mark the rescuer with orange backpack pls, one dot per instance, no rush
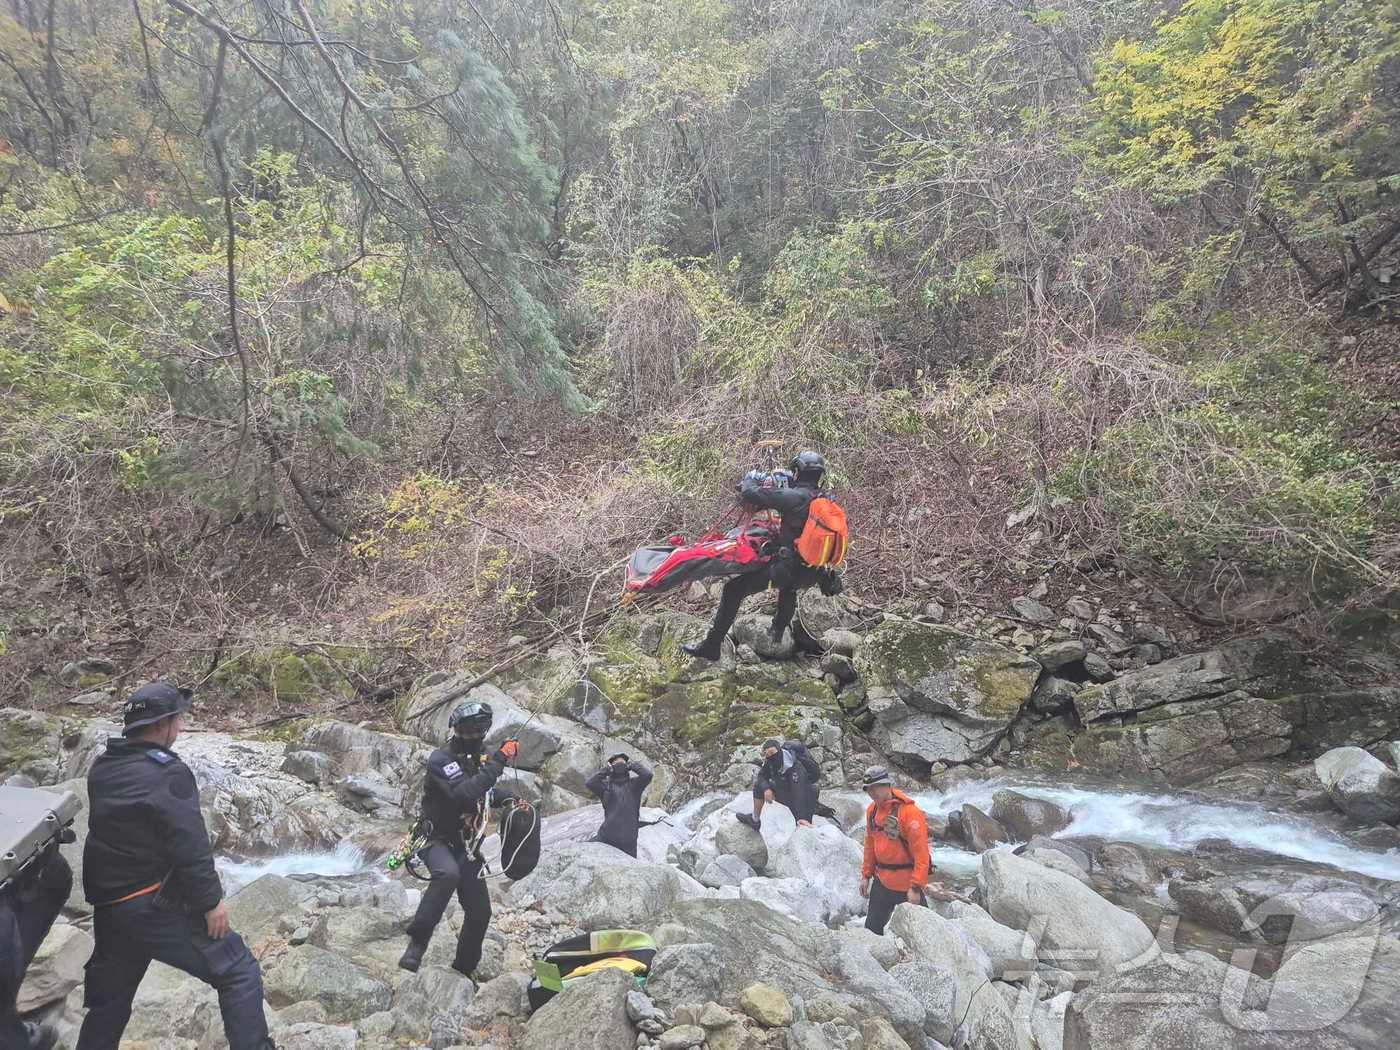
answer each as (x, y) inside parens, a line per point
(810, 547)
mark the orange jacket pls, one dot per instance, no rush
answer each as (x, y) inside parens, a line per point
(902, 862)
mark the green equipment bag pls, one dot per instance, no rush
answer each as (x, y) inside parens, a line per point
(577, 958)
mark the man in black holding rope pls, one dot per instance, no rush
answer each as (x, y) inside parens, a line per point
(459, 779)
(786, 571)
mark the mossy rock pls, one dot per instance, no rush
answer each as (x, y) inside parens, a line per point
(939, 671)
(292, 673)
(30, 743)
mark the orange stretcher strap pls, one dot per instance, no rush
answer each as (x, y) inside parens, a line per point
(130, 896)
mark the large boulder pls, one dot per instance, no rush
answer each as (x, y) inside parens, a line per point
(1008, 950)
(57, 968)
(861, 975)
(48, 749)
(726, 870)
(936, 989)
(266, 813)
(829, 863)
(1189, 718)
(1026, 817)
(1071, 918)
(256, 909)
(1337, 994)
(939, 695)
(686, 973)
(433, 1001)
(1360, 785)
(598, 886)
(980, 831)
(354, 749)
(941, 942)
(170, 1004)
(791, 897)
(306, 972)
(1277, 908)
(706, 843)
(742, 841)
(499, 1009)
(757, 944)
(373, 937)
(588, 1015)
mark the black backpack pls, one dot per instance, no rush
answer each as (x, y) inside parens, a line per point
(800, 752)
(520, 837)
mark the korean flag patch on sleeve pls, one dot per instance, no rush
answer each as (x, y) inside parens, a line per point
(452, 770)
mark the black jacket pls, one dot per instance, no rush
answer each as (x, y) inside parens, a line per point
(455, 791)
(622, 804)
(792, 774)
(144, 827)
(791, 503)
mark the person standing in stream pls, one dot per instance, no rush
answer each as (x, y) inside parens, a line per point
(459, 781)
(896, 864)
(619, 786)
(149, 873)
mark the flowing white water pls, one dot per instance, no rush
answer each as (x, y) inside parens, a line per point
(345, 859)
(1173, 822)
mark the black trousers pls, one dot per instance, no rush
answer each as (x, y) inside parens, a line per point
(128, 936)
(785, 573)
(883, 902)
(626, 845)
(453, 871)
(27, 911)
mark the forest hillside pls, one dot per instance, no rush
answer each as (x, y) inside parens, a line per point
(389, 330)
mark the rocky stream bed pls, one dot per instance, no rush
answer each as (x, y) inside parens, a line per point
(1156, 850)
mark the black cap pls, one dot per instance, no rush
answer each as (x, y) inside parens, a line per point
(152, 702)
(615, 757)
(771, 742)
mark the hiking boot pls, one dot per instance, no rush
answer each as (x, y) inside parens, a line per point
(412, 957)
(749, 819)
(706, 650)
(39, 1036)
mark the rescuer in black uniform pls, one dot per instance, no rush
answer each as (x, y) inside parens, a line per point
(454, 811)
(787, 774)
(786, 570)
(29, 904)
(149, 873)
(619, 786)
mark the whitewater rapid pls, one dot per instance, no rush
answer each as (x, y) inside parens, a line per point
(1173, 822)
(1164, 821)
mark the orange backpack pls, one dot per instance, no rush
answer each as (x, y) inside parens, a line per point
(824, 539)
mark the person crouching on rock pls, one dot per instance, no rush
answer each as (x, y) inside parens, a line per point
(788, 774)
(896, 864)
(619, 786)
(459, 779)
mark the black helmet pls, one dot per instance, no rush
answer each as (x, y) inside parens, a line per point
(471, 716)
(808, 465)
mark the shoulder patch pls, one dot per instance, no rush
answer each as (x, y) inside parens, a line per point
(452, 770)
(157, 755)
